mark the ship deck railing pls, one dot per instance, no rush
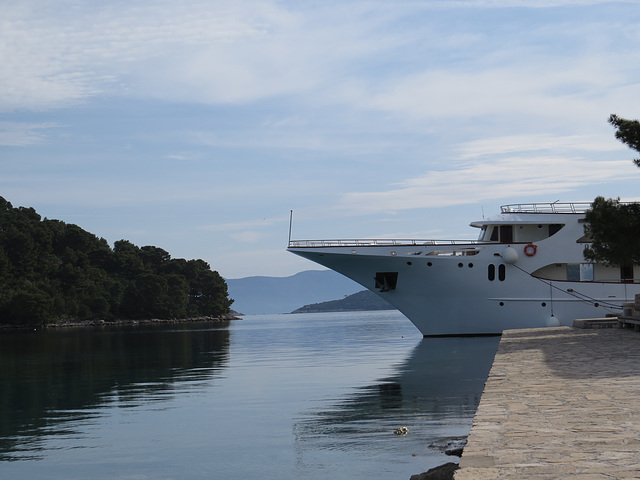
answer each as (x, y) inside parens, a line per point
(382, 242)
(555, 207)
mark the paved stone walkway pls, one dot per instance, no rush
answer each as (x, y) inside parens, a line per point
(559, 403)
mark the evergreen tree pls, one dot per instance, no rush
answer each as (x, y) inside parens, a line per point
(50, 270)
(628, 132)
(614, 227)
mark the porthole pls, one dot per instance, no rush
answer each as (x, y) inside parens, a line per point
(471, 265)
(544, 304)
(502, 304)
(393, 253)
(460, 265)
(408, 263)
(429, 264)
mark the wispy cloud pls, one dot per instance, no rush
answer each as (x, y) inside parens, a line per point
(478, 181)
(57, 54)
(19, 134)
(242, 51)
(536, 143)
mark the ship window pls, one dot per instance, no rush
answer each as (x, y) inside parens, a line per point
(580, 272)
(554, 228)
(506, 234)
(626, 273)
(573, 273)
(502, 270)
(502, 234)
(491, 272)
(586, 272)
(386, 281)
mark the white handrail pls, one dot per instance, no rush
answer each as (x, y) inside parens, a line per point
(381, 242)
(555, 207)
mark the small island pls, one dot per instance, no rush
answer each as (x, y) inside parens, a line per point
(359, 301)
(52, 273)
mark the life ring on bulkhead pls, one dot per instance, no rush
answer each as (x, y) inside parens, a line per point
(530, 250)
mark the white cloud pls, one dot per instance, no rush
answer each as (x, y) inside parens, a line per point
(238, 51)
(532, 143)
(477, 181)
(543, 88)
(57, 54)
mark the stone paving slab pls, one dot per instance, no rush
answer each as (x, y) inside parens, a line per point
(558, 403)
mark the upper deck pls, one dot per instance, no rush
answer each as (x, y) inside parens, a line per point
(517, 209)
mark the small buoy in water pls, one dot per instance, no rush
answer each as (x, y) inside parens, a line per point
(401, 431)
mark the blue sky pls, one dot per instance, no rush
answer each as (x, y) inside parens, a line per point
(196, 126)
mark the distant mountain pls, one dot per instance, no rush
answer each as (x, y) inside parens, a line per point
(261, 295)
(360, 301)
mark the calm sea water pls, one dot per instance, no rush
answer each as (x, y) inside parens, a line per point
(309, 396)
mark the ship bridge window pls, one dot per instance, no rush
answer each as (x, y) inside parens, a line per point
(498, 233)
(386, 281)
(506, 234)
(520, 233)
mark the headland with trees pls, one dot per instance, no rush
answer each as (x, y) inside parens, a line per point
(52, 272)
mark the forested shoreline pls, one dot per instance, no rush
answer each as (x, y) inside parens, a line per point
(54, 272)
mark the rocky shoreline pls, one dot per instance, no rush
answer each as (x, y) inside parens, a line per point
(121, 322)
(452, 446)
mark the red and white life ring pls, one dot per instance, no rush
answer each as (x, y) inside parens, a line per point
(530, 250)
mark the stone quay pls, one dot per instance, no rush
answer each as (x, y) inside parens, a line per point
(558, 403)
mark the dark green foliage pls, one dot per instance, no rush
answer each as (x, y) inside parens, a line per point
(628, 132)
(614, 228)
(50, 270)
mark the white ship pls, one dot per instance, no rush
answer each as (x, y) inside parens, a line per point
(527, 269)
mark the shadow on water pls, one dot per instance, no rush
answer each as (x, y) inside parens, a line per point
(53, 376)
(441, 382)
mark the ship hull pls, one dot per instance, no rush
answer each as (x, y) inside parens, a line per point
(479, 288)
(445, 299)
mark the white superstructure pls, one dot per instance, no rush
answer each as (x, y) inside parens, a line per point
(527, 269)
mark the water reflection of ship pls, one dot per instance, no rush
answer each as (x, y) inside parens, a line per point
(51, 377)
(441, 381)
